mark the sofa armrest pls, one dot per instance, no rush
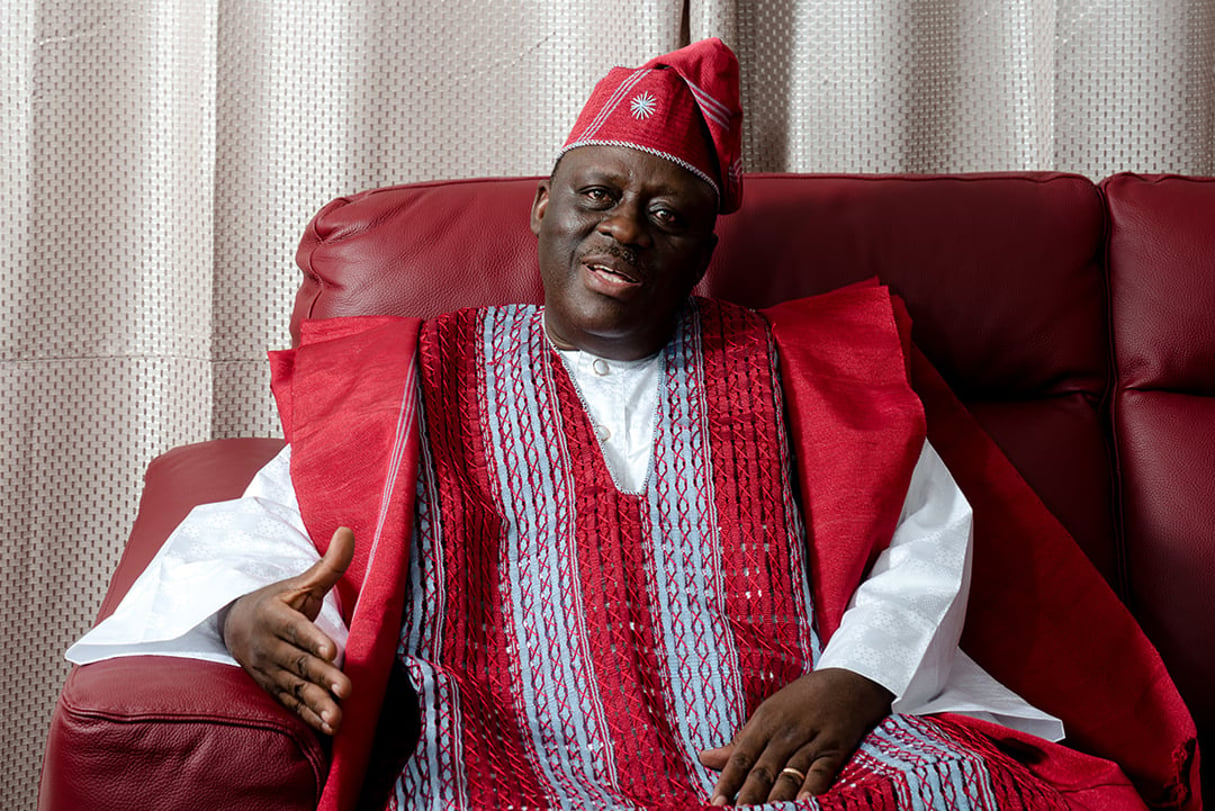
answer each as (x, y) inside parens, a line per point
(168, 733)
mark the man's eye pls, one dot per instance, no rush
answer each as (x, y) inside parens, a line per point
(666, 216)
(597, 195)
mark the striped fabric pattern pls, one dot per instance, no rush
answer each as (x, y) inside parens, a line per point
(574, 646)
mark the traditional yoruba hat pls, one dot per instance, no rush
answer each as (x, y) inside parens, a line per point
(683, 106)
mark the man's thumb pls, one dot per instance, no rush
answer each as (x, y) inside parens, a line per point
(326, 572)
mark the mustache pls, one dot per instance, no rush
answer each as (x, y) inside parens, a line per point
(617, 251)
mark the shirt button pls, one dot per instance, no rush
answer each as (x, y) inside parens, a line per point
(600, 367)
(603, 433)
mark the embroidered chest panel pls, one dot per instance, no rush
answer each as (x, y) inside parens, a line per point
(573, 640)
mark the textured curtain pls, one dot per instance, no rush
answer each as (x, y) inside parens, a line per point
(160, 160)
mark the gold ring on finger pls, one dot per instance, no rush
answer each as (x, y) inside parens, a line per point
(794, 773)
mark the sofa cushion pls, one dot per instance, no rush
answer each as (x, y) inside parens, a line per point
(1162, 296)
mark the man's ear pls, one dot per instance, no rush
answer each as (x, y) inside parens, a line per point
(539, 205)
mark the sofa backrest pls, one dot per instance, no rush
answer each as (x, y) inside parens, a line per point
(1161, 264)
(1001, 273)
(1008, 278)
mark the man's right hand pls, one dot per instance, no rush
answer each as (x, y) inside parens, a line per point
(271, 633)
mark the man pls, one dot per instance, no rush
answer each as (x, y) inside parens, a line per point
(608, 600)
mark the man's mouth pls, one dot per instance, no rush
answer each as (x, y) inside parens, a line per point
(609, 277)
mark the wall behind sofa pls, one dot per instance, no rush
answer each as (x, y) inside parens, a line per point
(161, 157)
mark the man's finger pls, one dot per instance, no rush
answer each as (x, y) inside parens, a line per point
(323, 716)
(303, 665)
(791, 779)
(717, 757)
(736, 771)
(821, 775)
(322, 673)
(315, 695)
(297, 629)
(767, 778)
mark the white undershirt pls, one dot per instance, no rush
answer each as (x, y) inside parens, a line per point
(621, 399)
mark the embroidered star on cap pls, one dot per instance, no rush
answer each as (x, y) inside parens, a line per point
(643, 105)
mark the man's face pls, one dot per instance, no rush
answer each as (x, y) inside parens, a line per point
(624, 236)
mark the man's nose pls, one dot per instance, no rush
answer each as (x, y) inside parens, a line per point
(626, 224)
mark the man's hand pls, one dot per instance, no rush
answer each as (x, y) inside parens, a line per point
(811, 725)
(271, 633)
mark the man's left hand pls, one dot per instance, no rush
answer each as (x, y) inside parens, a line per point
(810, 726)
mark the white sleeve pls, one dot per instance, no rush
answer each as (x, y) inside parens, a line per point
(219, 553)
(902, 626)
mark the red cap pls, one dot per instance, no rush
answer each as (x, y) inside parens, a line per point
(683, 106)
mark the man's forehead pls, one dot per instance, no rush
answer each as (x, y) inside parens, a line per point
(624, 163)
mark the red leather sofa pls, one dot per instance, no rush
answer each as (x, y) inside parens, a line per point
(1076, 321)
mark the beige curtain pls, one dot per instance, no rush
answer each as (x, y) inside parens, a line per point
(160, 159)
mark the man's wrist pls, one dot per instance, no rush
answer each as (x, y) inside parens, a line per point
(869, 700)
(221, 623)
(868, 664)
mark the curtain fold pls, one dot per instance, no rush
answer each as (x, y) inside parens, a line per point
(162, 157)
(974, 85)
(105, 349)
